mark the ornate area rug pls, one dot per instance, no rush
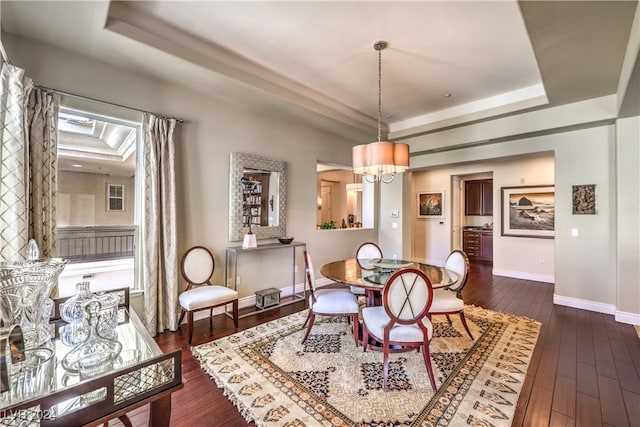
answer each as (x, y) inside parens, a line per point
(274, 380)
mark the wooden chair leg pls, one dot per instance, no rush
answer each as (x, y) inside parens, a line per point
(311, 319)
(307, 321)
(385, 367)
(235, 313)
(182, 312)
(464, 323)
(365, 336)
(190, 325)
(427, 361)
(356, 327)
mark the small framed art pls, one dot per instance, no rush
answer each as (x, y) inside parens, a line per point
(584, 199)
(431, 204)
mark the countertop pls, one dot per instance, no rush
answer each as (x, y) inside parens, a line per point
(477, 228)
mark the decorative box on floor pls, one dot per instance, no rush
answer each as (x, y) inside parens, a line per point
(267, 298)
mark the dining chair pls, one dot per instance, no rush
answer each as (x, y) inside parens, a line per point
(336, 302)
(197, 266)
(402, 319)
(449, 300)
(367, 250)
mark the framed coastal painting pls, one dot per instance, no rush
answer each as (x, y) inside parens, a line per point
(528, 211)
(431, 204)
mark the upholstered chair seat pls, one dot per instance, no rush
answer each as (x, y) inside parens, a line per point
(445, 301)
(206, 296)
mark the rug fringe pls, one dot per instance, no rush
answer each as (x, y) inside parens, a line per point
(486, 310)
(242, 408)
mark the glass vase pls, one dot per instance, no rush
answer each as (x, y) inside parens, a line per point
(96, 354)
(25, 287)
(72, 310)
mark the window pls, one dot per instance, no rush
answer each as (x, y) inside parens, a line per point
(115, 197)
(97, 219)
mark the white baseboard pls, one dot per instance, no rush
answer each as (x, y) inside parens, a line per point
(582, 304)
(630, 318)
(525, 276)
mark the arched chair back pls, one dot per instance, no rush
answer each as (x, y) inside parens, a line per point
(402, 319)
(407, 297)
(449, 301)
(368, 250)
(197, 266)
(458, 263)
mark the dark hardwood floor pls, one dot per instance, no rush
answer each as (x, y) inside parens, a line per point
(585, 370)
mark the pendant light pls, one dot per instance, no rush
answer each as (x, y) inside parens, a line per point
(375, 160)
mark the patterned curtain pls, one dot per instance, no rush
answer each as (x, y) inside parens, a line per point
(15, 88)
(42, 124)
(159, 251)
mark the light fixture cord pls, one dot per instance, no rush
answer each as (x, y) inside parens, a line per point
(379, 94)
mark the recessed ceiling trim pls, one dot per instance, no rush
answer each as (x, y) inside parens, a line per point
(127, 21)
(532, 96)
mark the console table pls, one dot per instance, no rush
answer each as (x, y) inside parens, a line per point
(231, 269)
(142, 375)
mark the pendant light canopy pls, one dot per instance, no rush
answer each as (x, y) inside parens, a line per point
(376, 159)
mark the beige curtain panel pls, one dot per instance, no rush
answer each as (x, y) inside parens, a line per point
(159, 252)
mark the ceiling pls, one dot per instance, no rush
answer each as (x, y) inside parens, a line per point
(88, 145)
(448, 62)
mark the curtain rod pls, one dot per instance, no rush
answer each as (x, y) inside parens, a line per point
(113, 104)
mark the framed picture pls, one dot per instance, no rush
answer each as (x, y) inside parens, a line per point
(584, 199)
(431, 204)
(528, 211)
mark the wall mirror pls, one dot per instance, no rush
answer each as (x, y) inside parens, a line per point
(343, 200)
(257, 197)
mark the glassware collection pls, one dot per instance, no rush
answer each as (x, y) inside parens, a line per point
(27, 354)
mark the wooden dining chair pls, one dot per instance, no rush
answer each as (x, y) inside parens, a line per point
(367, 250)
(449, 300)
(402, 319)
(337, 302)
(197, 266)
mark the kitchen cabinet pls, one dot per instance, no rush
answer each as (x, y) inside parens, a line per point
(478, 197)
(478, 244)
(486, 245)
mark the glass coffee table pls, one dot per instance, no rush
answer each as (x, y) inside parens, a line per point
(142, 374)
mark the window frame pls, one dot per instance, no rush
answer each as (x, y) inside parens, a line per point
(111, 197)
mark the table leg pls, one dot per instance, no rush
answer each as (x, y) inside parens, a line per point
(160, 412)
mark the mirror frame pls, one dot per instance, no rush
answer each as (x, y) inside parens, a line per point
(238, 163)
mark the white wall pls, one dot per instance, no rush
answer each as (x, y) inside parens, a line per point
(628, 222)
(390, 235)
(82, 199)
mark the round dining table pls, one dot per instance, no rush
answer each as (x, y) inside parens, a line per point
(372, 274)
